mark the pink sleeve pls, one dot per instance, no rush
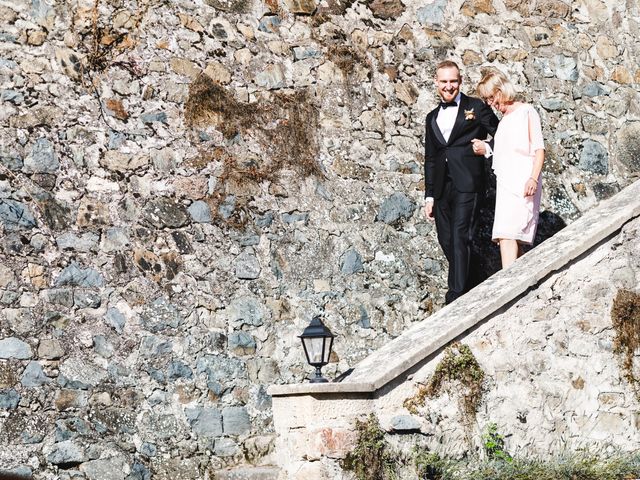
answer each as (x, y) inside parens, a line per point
(536, 142)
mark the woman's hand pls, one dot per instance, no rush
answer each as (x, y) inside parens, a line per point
(530, 187)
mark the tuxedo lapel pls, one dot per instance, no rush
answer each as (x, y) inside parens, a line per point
(436, 128)
(459, 118)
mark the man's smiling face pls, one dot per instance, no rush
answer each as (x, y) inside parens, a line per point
(448, 83)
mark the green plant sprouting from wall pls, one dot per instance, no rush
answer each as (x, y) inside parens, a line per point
(493, 444)
(371, 459)
(625, 316)
(429, 465)
(374, 459)
(458, 370)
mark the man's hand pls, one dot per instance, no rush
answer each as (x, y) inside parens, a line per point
(479, 147)
(428, 210)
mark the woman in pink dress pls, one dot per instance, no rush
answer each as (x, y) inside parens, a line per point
(518, 155)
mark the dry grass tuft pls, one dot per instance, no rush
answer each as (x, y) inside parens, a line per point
(345, 58)
(458, 370)
(106, 42)
(328, 9)
(625, 316)
(285, 127)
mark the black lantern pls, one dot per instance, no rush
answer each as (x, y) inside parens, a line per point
(317, 341)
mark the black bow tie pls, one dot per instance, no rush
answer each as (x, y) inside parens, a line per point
(444, 105)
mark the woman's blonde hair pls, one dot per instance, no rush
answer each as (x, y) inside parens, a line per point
(494, 81)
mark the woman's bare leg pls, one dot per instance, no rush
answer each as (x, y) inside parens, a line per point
(508, 251)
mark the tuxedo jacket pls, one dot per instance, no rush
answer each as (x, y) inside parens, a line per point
(475, 119)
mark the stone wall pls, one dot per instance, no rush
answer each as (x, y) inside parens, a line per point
(183, 185)
(553, 381)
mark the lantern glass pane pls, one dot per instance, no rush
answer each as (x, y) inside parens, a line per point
(327, 349)
(314, 349)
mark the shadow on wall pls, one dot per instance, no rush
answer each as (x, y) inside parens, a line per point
(485, 255)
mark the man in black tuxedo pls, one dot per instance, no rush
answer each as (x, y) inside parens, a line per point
(454, 171)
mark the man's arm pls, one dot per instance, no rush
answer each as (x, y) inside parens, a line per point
(428, 172)
(429, 155)
(488, 119)
(490, 122)
(482, 147)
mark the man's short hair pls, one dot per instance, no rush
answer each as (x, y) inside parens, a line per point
(448, 64)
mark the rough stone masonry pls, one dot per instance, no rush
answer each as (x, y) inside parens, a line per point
(184, 184)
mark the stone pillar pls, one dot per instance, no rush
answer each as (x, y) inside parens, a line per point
(315, 429)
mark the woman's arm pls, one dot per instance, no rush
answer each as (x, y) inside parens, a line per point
(535, 142)
(532, 182)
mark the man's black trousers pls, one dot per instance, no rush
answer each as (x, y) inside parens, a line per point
(456, 214)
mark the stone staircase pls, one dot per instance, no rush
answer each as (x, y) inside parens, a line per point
(314, 421)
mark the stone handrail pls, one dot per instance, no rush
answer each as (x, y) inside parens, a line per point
(431, 334)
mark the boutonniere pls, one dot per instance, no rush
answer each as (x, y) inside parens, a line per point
(469, 114)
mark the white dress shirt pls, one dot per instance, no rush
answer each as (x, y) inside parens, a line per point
(446, 118)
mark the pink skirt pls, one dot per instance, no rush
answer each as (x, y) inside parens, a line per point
(516, 217)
